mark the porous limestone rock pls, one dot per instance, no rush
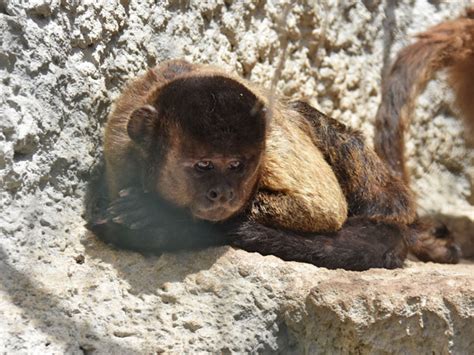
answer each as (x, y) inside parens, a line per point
(61, 65)
(223, 300)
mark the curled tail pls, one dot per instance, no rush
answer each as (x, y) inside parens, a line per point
(448, 45)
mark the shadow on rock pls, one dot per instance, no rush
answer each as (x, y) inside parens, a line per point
(147, 274)
(48, 316)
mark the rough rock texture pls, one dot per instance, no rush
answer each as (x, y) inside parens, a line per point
(225, 300)
(61, 65)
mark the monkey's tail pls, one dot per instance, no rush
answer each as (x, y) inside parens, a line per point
(361, 244)
(448, 45)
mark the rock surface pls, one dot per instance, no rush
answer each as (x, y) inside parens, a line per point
(61, 291)
(225, 300)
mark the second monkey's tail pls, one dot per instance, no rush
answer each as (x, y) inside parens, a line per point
(448, 45)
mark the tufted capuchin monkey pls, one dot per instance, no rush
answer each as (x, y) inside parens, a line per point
(195, 157)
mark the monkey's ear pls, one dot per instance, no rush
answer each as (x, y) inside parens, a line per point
(141, 123)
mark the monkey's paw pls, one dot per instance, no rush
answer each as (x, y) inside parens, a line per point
(433, 242)
(134, 209)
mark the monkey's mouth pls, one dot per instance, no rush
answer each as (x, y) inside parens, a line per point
(215, 214)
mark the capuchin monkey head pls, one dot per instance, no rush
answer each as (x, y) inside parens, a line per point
(202, 140)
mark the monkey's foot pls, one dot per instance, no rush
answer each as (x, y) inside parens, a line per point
(432, 241)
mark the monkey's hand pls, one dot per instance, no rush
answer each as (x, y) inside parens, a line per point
(143, 222)
(136, 210)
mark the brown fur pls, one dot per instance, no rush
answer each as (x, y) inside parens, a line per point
(298, 188)
(448, 45)
(433, 242)
(371, 190)
(305, 174)
(292, 167)
(159, 147)
(119, 149)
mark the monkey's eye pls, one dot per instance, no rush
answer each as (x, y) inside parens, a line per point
(204, 165)
(235, 165)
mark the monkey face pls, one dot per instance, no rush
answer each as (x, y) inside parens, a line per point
(220, 186)
(212, 185)
(202, 140)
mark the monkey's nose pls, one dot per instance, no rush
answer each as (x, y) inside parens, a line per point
(219, 194)
(213, 195)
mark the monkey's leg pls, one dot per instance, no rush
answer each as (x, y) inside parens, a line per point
(371, 190)
(298, 189)
(360, 244)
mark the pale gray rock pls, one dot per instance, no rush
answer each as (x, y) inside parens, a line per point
(61, 65)
(225, 300)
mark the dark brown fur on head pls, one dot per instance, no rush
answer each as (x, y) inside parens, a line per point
(214, 110)
(213, 131)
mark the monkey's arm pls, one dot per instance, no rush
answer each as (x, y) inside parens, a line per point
(171, 236)
(295, 212)
(360, 244)
(298, 189)
(142, 222)
(163, 227)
